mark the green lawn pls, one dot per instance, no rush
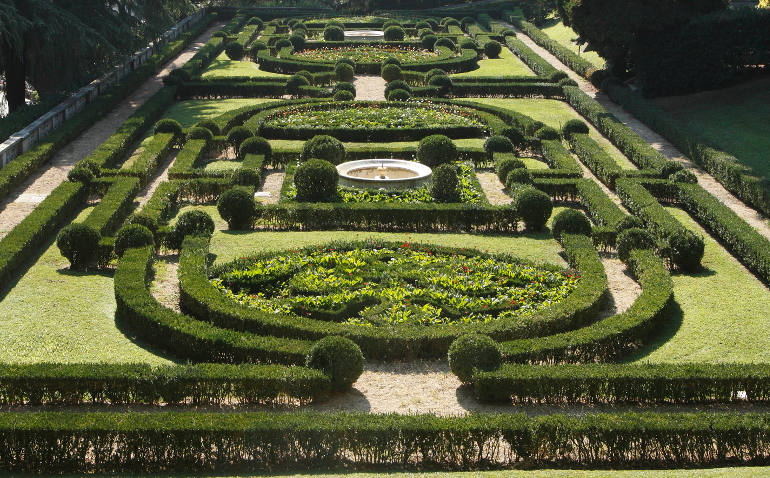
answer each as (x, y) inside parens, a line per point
(222, 66)
(723, 314)
(564, 35)
(222, 166)
(54, 315)
(190, 112)
(507, 65)
(554, 113)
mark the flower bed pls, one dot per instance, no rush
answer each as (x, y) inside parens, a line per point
(366, 54)
(385, 284)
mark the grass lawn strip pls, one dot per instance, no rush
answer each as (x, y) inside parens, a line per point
(224, 67)
(563, 34)
(507, 65)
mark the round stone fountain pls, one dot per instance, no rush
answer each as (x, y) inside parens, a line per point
(362, 35)
(383, 174)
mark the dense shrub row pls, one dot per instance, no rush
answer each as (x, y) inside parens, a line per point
(572, 60)
(559, 159)
(114, 206)
(151, 156)
(596, 159)
(246, 89)
(534, 61)
(188, 158)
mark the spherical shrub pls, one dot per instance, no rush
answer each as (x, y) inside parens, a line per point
(445, 42)
(570, 221)
(506, 165)
(394, 33)
(424, 32)
(451, 22)
(334, 33)
(468, 44)
(132, 235)
(169, 126)
(176, 77)
(574, 126)
(79, 243)
(684, 176)
(533, 206)
(235, 51)
(324, 147)
(435, 150)
(339, 358)
(397, 85)
(200, 133)
(391, 60)
(344, 96)
(669, 168)
(238, 135)
(391, 23)
(81, 174)
(516, 136)
(255, 48)
(294, 83)
(282, 43)
(256, 21)
(631, 239)
(434, 72)
(629, 222)
(256, 145)
(686, 249)
(335, 23)
(446, 184)
(422, 24)
(498, 144)
(345, 86)
(547, 133)
(465, 21)
(432, 22)
(443, 82)
(472, 352)
(428, 41)
(390, 72)
(298, 25)
(244, 177)
(145, 220)
(193, 222)
(517, 178)
(492, 49)
(346, 61)
(399, 95)
(316, 180)
(344, 72)
(237, 207)
(211, 126)
(297, 41)
(508, 33)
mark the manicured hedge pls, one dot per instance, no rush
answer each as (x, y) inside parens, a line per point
(558, 158)
(114, 206)
(74, 384)
(153, 154)
(641, 203)
(60, 442)
(573, 61)
(188, 159)
(596, 158)
(534, 61)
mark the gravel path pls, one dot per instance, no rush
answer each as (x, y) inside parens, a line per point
(369, 88)
(707, 181)
(26, 197)
(165, 285)
(493, 188)
(624, 290)
(160, 176)
(270, 192)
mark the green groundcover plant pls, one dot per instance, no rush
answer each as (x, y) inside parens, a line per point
(367, 54)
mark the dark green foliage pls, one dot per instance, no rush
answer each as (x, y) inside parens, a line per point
(446, 43)
(220, 34)
(346, 61)
(546, 132)
(256, 21)
(344, 95)
(344, 72)
(80, 174)
(339, 358)
(391, 73)
(168, 126)
(344, 86)
(394, 33)
(516, 136)
(79, 244)
(235, 51)
(422, 24)
(245, 177)
(596, 158)
(282, 43)
(684, 176)
(570, 221)
(517, 178)
(132, 235)
(473, 352)
(323, 147)
(146, 220)
(629, 222)
(391, 60)
(686, 250)
(669, 168)
(255, 145)
(335, 23)
(498, 144)
(391, 23)
(434, 72)
(334, 33)
(237, 207)
(399, 95)
(468, 44)
(435, 150)
(200, 133)
(238, 135)
(574, 126)
(445, 187)
(533, 206)
(449, 22)
(397, 85)
(465, 21)
(428, 41)
(631, 239)
(211, 126)
(492, 49)
(316, 180)
(566, 55)
(255, 48)
(193, 222)
(294, 83)
(297, 41)
(443, 82)
(506, 165)
(177, 76)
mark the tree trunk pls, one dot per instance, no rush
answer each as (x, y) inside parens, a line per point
(15, 80)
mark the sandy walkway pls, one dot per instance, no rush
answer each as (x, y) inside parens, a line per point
(165, 285)
(270, 192)
(492, 187)
(369, 88)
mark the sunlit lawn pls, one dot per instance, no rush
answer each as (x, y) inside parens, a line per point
(507, 65)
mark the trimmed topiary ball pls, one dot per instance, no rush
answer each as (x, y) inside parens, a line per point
(574, 126)
(435, 150)
(394, 33)
(465, 21)
(446, 184)
(211, 126)
(422, 24)
(169, 126)
(547, 133)
(237, 207)
(391, 23)
(423, 32)
(506, 165)
(343, 95)
(450, 22)
(334, 33)
(245, 177)
(533, 206)
(193, 222)
(686, 249)
(79, 244)
(256, 21)
(391, 73)
(282, 43)
(145, 220)
(176, 77)
(445, 42)
(339, 358)
(631, 239)
(132, 235)
(323, 147)
(472, 352)
(256, 145)
(570, 221)
(498, 144)
(297, 41)
(428, 41)
(344, 72)
(517, 178)
(684, 176)
(238, 135)
(397, 85)
(468, 44)
(235, 51)
(81, 174)
(434, 72)
(294, 83)
(345, 86)
(255, 48)
(200, 133)
(492, 49)
(316, 180)
(443, 82)
(516, 136)
(399, 95)
(391, 60)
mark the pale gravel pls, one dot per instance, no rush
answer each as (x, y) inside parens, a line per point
(493, 188)
(272, 183)
(369, 88)
(165, 284)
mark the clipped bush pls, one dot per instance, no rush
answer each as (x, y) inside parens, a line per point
(323, 147)
(294, 83)
(169, 126)
(397, 85)
(79, 244)
(684, 176)
(446, 43)
(256, 21)
(533, 206)
(517, 178)
(422, 24)
(498, 144)
(391, 60)
(220, 34)
(508, 33)
(428, 41)
(211, 126)
(256, 145)
(450, 22)
(335, 23)
(132, 235)
(446, 184)
(235, 51)
(297, 41)
(394, 33)
(339, 358)
(516, 136)
(423, 32)
(443, 82)
(346, 61)
(670, 168)
(391, 23)
(506, 165)
(238, 135)
(200, 133)
(282, 43)
(547, 133)
(468, 44)
(391, 72)
(344, 72)
(631, 239)
(557, 76)
(237, 207)
(255, 48)
(399, 95)
(316, 180)
(574, 126)
(435, 150)
(570, 221)
(343, 95)
(193, 222)
(345, 86)
(245, 177)
(176, 77)
(434, 72)
(334, 33)
(465, 21)
(146, 220)
(472, 352)
(629, 222)
(492, 49)
(686, 250)
(81, 174)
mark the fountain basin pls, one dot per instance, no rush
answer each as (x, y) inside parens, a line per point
(362, 35)
(383, 174)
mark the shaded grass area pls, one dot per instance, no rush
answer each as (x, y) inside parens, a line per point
(190, 112)
(222, 166)
(733, 119)
(554, 113)
(507, 65)
(224, 67)
(563, 34)
(722, 314)
(54, 315)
